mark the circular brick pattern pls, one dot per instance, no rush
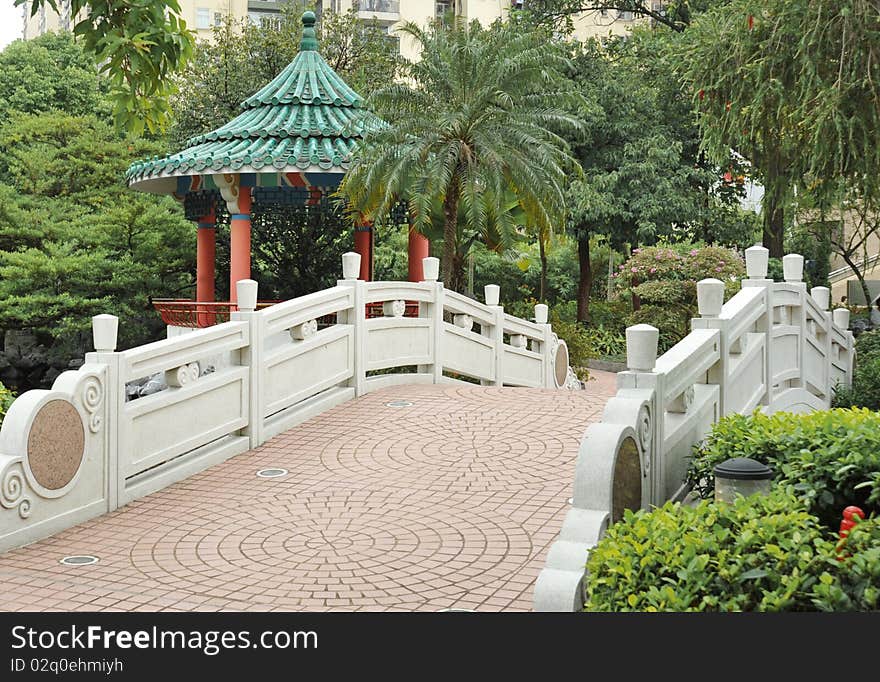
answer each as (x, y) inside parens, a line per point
(56, 444)
(501, 451)
(324, 545)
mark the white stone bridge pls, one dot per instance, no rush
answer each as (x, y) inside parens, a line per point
(404, 462)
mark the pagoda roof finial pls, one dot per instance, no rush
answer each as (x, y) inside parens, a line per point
(309, 38)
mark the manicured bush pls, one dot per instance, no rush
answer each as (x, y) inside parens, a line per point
(831, 458)
(664, 278)
(757, 554)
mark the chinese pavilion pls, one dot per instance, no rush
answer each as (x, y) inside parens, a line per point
(291, 146)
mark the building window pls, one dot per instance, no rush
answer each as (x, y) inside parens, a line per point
(265, 19)
(442, 8)
(624, 16)
(218, 18)
(203, 17)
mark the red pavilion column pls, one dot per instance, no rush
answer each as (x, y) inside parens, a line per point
(363, 244)
(206, 249)
(419, 247)
(240, 242)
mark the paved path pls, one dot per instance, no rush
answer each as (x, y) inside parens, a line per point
(451, 502)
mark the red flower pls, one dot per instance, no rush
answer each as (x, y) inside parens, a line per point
(751, 22)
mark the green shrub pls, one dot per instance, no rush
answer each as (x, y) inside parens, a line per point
(6, 398)
(607, 342)
(671, 321)
(868, 346)
(857, 584)
(757, 554)
(566, 311)
(831, 458)
(580, 350)
(775, 270)
(865, 389)
(610, 315)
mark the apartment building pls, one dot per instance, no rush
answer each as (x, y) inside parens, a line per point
(202, 15)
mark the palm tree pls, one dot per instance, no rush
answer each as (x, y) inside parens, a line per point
(477, 119)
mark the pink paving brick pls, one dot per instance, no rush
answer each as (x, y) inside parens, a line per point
(449, 503)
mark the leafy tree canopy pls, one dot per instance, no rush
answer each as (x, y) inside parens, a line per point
(74, 241)
(139, 44)
(793, 86)
(50, 72)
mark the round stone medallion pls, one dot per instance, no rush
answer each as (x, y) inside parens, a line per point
(561, 363)
(56, 444)
(627, 485)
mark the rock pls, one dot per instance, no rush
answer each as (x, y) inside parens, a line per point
(17, 342)
(154, 385)
(51, 374)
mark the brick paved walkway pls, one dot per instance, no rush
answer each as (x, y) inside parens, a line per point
(449, 503)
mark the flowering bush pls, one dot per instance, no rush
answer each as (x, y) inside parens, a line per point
(664, 278)
(680, 263)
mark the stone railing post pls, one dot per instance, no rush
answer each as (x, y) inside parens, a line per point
(793, 272)
(356, 317)
(434, 311)
(542, 316)
(757, 258)
(641, 357)
(822, 297)
(105, 329)
(246, 291)
(710, 301)
(840, 317)
(496, 332)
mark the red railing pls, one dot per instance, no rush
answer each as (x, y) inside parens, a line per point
(186, 313)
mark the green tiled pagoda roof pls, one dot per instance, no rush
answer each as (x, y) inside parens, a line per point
(307, 117)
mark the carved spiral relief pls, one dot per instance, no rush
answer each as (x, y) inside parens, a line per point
(92, 399)
(12, 490)
(394, 308)
(644, 429)
(463, 321)
(688, 398)
(183, 375)
(304, 331)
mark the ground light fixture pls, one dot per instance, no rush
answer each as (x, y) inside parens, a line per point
(79, 560)
(273, 472)
(741, 476)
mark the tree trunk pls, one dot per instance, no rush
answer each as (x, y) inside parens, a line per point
(774, 228)
(450, 225)
(542, 292)
(847, 258)
(585, 281)
(773, 207)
